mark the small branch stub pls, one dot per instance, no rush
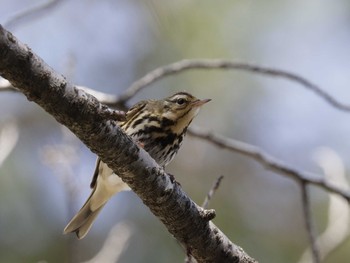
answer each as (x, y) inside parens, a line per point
(208, 214)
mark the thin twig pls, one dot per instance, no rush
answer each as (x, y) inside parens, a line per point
(268, 161)
(117, 115)
(309, 223)
(113, 114)
(31, 13)
(188, 64)
(212, 191)
(105, 98)
(337, 230)
(189, 258)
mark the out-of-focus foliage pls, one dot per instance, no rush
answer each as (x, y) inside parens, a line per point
(106, 45)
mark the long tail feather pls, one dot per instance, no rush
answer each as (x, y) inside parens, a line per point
(83, 220)
(105, 184)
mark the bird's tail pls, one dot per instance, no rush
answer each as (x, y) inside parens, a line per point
(105, 184)
(83, 220)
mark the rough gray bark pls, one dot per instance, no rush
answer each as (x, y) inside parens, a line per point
(85, 117)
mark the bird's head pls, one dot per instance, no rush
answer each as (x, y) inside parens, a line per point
(175, 113)
(180, 109)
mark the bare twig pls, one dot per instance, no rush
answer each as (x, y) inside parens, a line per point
(337, 229)
(189, 258)
(309, 223)
(105, 98)
(212, 191)
(31, 13)
(268, 161)
(113, 114)
(188, 64)
(117, 115)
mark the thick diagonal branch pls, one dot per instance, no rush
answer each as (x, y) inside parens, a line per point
(85, 117)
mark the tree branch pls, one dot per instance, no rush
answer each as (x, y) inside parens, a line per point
(209, 196)
(309, 223)
(83, 115)
(212, 191)
(267, 160)
(337, 230)
(188, 64)
(30, 13)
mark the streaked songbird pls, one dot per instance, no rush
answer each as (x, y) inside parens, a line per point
(159, 127)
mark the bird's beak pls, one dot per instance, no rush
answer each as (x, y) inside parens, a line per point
(199, 103)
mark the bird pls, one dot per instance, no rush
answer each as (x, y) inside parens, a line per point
(159, 127)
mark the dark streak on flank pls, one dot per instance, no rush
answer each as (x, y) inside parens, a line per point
(148, 130)
(137, 122)
(164, 141)
(139, 107)
(152, 118)
(144, 119)
(165, 122)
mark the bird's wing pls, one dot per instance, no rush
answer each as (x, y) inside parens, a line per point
(97, 169)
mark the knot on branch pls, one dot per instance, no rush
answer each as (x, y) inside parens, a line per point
(158, 173)
(111, 114)
(172, 179)
(207, 214)
(155, 172)
(235, 259)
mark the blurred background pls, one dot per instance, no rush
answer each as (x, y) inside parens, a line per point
(105, 45)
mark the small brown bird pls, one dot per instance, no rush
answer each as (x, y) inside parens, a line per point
(159, 127)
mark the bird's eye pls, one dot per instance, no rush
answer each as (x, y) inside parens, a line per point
(181, 101)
